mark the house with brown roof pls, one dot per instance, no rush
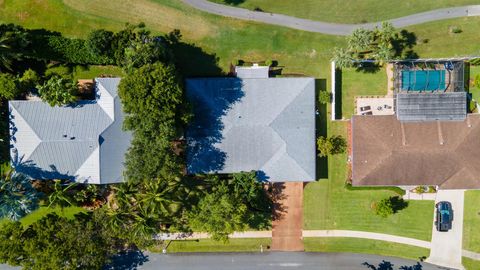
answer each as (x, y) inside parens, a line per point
(430, 139)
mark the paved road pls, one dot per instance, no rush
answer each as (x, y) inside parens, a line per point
(329, 28)
(447, 246)
(275, 260)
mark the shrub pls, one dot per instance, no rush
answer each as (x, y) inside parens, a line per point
(331, 145)
(384, 208)
(29, 79)
(455, 30)
(389, 206)
(399, 191)
(476, 81)
(8, 86)
(324, 97)
(75, 51)
(99, 42)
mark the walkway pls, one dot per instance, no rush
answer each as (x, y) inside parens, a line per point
(287, 223)
(329, 28)
(447, 246)
(368, 235)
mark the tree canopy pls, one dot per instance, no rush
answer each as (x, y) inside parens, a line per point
(219, 214)
(153, 100)
(58, 91)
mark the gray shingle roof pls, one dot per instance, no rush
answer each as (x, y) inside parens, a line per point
(431, 106)
(80, 142)
(266, 125)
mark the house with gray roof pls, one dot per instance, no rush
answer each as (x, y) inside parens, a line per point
(82, 142)
(261, 124)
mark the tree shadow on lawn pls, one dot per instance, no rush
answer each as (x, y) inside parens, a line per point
(398, 203)
(233, 2)
(191, 60)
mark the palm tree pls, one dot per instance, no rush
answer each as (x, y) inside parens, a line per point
(383, 53)
(125, 195)
(145, 224)
(159, 196)
(343, 58)
(17, 196)
(6, 53)
(386, 33)
(60, 195)
(360, 40)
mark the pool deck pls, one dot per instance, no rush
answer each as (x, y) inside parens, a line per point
(374, 106)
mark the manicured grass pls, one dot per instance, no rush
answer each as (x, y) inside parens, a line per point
(359, 83)
(208, 245)
(475, 91)
(471, 221)
(328, 205)
(346, 11)
(357, 245)
(470, 264)
(67, 212)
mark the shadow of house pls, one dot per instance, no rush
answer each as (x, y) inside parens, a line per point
(321, 126)
(210, 102)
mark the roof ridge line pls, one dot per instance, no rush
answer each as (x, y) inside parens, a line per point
(288, 104)
(23, 117)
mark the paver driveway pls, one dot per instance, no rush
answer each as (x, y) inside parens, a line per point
(447, 246)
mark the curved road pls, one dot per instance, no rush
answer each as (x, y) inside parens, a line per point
(329, 28)
(278, 260)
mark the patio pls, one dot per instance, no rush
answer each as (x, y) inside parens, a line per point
(374, 106)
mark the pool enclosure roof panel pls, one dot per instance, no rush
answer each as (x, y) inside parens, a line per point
(431, 106)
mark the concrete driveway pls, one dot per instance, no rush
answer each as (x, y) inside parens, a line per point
(447, 246)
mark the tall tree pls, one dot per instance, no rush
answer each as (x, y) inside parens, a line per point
(58, 91)
(154, 103)
(219, 214)
(343, 58)
(360, 40)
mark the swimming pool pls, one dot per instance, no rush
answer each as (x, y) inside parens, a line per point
(423, 80)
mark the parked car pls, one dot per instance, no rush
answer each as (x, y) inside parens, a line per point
(444, 216)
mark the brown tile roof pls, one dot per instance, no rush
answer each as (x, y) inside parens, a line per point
(389, 152)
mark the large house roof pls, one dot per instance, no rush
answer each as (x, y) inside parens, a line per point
(83, 142)
(267, 125)
(390, 152)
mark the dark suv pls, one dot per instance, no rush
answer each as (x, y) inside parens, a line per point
(444, 216)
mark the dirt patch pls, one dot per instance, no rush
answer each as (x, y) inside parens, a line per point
(287, 224)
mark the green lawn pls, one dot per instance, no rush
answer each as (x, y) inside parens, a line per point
(471, 221)
(346, 11)
(358, 83)
(328, 205)
(356, 245)
(470, 264)
(67, 212)
(220, 41)
(208, 245)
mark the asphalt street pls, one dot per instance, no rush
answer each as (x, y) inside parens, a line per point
(281, 260)
(326, 27)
